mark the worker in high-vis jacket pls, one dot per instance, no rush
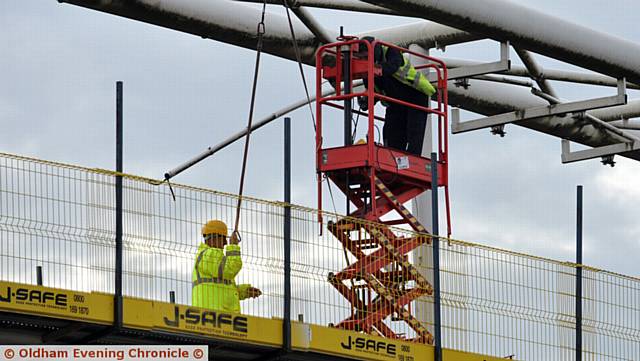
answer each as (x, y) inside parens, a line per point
(404, 126)
(216, 266)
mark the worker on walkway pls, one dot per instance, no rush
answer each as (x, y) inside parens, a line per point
(404, 126)
(215, 269)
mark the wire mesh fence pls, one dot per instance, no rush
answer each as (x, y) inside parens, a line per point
(345, 273)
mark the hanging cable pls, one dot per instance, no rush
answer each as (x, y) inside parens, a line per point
(296, 50)
(260, 32)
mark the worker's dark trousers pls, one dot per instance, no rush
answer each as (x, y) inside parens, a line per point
(404, 126)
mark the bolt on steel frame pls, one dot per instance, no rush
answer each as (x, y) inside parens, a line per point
(381, 283)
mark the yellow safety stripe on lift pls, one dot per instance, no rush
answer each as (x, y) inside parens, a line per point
(402, 312)
(385, 243)
(384, 292)
(420, 279)
(405, 212)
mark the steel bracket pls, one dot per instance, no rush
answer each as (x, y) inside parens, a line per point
(542, 111)
(464, 72)
(606, 152)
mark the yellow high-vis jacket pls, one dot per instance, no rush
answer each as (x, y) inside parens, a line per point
(213, 277)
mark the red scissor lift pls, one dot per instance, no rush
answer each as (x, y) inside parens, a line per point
(381, 284)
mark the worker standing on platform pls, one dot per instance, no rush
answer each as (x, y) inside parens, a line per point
(216, 266)
(404, 127)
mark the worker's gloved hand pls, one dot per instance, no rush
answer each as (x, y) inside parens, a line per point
(253, 292)
(363, 103)
(235, 238)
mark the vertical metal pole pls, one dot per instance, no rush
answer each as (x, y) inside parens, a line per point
(436, 256)
(172, 296)
(421, 206)
(346, 80)
(118, 270)
(287, 236)
(39, 275)
(579, 275)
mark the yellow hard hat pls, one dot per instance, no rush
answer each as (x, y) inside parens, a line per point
(214, 227)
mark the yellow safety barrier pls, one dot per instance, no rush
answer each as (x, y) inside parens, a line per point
(494, 302)
(150, 315)
(46, 301)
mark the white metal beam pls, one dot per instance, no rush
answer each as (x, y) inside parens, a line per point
(606, 151)
(469, 71)
(489, 98)
(555, 109)
(549, 74)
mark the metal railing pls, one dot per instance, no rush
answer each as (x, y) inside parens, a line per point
(494, 302)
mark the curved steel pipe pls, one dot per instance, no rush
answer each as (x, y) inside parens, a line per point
(223, 20)
(542, 33)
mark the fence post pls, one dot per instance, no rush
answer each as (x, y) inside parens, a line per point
(436, 256)
(579, 275)
(39, 275)
(286, 335)
(118, 267)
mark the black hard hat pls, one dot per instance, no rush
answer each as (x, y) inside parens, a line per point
(362, 48)
(369, 39)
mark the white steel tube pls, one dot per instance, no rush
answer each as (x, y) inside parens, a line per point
(230, 140)
(423, 33)
(310, 22)
(348, 5)
(549, 74)
(222, 20)
(626, 124)
(536, 72)
(629, 111)
(542, 33)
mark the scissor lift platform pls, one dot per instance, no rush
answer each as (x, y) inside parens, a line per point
(381, 283)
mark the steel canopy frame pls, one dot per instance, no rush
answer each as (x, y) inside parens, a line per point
(234, 23)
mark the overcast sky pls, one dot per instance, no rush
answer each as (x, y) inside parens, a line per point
(59, 66)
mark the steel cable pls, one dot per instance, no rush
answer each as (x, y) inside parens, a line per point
(296, 50)
(260, 33)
